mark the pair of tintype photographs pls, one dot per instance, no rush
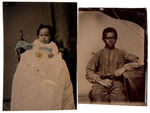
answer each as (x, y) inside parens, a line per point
(103, 51)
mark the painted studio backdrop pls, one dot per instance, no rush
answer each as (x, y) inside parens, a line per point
(26, 17)
(131, 28)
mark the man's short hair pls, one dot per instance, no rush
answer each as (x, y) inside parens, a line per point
(109, 29)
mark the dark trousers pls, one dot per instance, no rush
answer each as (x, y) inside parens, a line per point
(115, 93)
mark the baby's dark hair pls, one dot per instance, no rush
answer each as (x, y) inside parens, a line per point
(44, 26)
(109, 29)
(51, 31)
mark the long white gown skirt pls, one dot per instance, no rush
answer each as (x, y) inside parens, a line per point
(41, 83)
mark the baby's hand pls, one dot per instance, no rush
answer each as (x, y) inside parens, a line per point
(50, 55)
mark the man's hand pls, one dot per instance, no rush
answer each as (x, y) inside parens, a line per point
(105, 82)
(119, 72)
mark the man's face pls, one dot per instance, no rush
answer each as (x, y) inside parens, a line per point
(110, 40)
(44, 36)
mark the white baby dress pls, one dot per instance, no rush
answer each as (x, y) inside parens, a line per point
(42, 80)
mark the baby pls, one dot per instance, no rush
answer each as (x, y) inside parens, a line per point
(42, 80)
(44, 42)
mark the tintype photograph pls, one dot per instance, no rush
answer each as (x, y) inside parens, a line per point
(112, 56)
(40, 41)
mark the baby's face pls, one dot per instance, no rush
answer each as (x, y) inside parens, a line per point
(44, 36)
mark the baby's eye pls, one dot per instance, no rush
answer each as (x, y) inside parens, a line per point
(47, 35)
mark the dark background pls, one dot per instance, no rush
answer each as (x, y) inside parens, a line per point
(27, 16)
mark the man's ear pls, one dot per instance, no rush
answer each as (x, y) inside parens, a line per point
(103, 39)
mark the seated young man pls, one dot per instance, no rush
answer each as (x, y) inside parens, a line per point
(105, 70)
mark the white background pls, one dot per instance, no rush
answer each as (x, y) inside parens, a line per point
(86, 108)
